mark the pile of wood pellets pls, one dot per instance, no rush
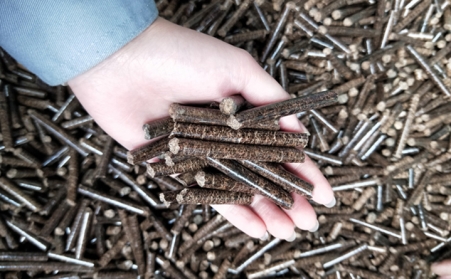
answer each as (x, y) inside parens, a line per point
(196, 137)
(73, 207)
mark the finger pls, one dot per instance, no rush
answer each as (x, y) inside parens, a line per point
(256, 85)
(302, 214)
(322, 192)
(442, 268)
(277, 222)
(244, 218)
(259, 88)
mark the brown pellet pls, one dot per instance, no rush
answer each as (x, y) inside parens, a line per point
(187, 178)
(148, 151)
(246, 36)
(161, 169)
(196, 115)
(157, 128)
(220, 181)
(288, 181)
(11, 189)
(284, 108)
(241, 174)
(212, 196)
(116, 249)
(5, 123)
(242, 136)
(199, 148)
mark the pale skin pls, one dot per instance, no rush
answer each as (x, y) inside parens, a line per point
(442, 269)
(168, 63)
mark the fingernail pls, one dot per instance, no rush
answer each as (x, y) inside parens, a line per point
(331, 204)
(265, 236)
(315, 228)
(292, 237)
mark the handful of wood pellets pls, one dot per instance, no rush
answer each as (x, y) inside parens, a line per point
(230, 154)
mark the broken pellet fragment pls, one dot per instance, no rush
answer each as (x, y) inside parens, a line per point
(167, 198)
(157, 128)
(148, 151)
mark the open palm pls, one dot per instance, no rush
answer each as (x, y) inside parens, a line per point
(168, 63)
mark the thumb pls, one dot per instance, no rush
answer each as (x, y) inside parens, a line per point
(259, 88)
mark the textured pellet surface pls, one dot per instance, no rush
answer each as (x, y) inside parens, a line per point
(241, 174)
(199, 148)
(392, 169)
(209, 196)
(243, 136)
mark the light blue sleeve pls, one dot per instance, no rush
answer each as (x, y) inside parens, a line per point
(58, 40)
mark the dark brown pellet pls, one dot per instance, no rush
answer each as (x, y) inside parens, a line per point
(27, 157)
(202, 232)
(241, 174)
(57, 132)
(350, 31)
(106, 158)
(116, 185)
(161, 229)
(23, 256)
(411, 16)
(198, 148)
(11, 189)
(243, 136)
(115, 274)
(187, 178)
(116, 249)
(179, 223)
(246, 36)
(41, 266)
(55, 218)
(5, 122)
(158, 128)
(138, 209)
(131, 228)
(210, 196)
(161, 169)
(15, 162)
(147, 151)
(277, 110)
(288, 181)
(85, 229)
(207, 116)
(220, 181)
(234, 18)
(16, 121)
(72, 182)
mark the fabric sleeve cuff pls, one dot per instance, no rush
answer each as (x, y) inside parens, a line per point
(58, 40)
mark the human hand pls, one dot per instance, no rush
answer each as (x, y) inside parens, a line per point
(442, 269)
(168, 63)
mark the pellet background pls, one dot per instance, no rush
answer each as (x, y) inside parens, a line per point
(70, 202)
